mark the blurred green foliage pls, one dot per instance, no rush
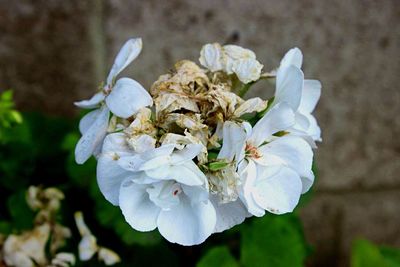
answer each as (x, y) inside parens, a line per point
(8, 115)
(40, 151)
(367, 254)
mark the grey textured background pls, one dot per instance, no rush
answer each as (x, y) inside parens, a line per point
(54, 52)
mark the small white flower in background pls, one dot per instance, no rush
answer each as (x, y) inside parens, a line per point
(123, 98)
(196, 158)
(88, 245)
(63, 259)
(27, 249)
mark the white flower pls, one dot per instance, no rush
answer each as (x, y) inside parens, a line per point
(231, 59)
(27, 249)
(124, 98)
(174, 197)
(160, 187)
(282, 162)
(88, 247)
(63, 259)
(302, 100)
(182, 212)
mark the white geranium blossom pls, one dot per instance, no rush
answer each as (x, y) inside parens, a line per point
(302, 100)
(182, 212)
(232, 59)
(202, 159)
(264, 158)
(123, 98)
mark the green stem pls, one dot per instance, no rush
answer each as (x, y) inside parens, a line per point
(242, 91)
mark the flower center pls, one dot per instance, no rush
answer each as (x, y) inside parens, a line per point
(252, 151)
(176, 192)
(107, 90)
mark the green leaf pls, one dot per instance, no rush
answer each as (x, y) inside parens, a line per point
(367, 254)
(273, 240)
(391, 255)
(130, 236)
(217, 165)
(5, 227)
(212, 155)
(22, 216)
(6, 96)
(218, 257)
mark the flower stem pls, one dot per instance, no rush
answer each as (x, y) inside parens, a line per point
(242, 91)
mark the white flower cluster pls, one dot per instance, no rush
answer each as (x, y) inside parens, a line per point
(191, 157)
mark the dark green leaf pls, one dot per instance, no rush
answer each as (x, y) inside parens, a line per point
(273, 241)
(218, 257)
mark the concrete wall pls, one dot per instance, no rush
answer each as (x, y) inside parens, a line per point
(54, 52)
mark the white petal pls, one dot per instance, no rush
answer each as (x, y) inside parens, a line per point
(306, 126)
(187, 224)
(234, 139)
(81, 225)
(290, 151)
(127, 97)
(314, 131)
(188, 174)
(92, 102)
(139, 211)
(255, 104)
(307, 181)
(293, 57)
(289, 86)
(233, 54)
(87, 247)
(249, 176)
(163, 150)
(142, 143)
(93, 137)
(302, 122)
(160, 170)
(278, 118)
(228, 214)
(108, 256)
(148, 160)
(196, 194)
(88, 120)
(189, 152)
(237, 52)
(310, 95)
(110, 176)
(247, 70)
(300, 133)
(278, 189)
(164, 195)
(129, 51)
(211, 57)
(132, 163)
(116, 143)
